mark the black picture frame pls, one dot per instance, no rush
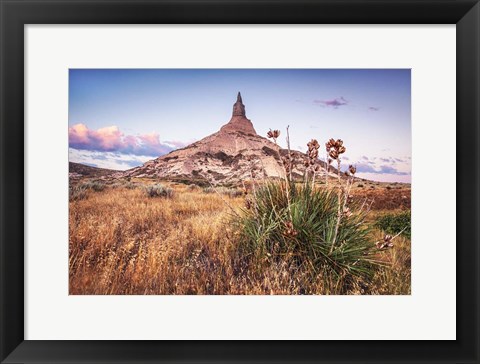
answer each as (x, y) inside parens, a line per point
(15, 14)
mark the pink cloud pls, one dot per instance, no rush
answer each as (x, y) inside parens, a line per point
(152, 138)
(112, 139)
(109, 138)
(78, 134)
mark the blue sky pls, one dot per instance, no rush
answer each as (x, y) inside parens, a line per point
(122, 118)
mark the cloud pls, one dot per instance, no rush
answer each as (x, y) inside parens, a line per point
(334, 103)
(391, 170)
(373, 108)
(111, 139)
(110, 160)
(393, 160)
(367, 168)
(384, 168)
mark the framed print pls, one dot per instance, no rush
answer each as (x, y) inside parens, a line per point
(239, 181)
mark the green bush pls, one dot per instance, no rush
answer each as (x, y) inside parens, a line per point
(159, 190)
(394, 223)
(301, 224)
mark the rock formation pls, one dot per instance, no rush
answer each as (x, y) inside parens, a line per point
(227, 156)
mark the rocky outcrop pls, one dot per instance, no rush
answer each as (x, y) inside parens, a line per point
(227, 156)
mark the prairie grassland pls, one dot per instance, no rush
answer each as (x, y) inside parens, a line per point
(124, 242)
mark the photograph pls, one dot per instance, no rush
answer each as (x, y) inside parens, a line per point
(239, 181)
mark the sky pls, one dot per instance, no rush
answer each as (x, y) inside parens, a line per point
(121, 118)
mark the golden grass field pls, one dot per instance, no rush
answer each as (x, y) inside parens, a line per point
(123, 242)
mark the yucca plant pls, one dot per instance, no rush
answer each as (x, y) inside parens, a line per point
(304, 228)
(321, 229)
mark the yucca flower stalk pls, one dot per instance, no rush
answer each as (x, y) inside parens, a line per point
(346, 197)
(273, 134)
(387, 241)
(287, 162)
(252, 172)
(290, 164)
(312, 155)
(328, 161)
(335, 148)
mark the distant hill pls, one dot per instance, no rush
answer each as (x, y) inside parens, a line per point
(82, 170)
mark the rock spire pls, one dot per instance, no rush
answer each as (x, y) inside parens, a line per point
(239, 107)
(239, 122)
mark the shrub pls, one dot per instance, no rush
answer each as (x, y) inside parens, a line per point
(130, 185)
(159, 190)
(395, 223)
(97, 186)
(300, 223)
(124, 184)
(209, 189)
(77, 193)
(230, 192)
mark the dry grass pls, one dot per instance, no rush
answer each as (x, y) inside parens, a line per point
(123, 242)
(384, 196)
